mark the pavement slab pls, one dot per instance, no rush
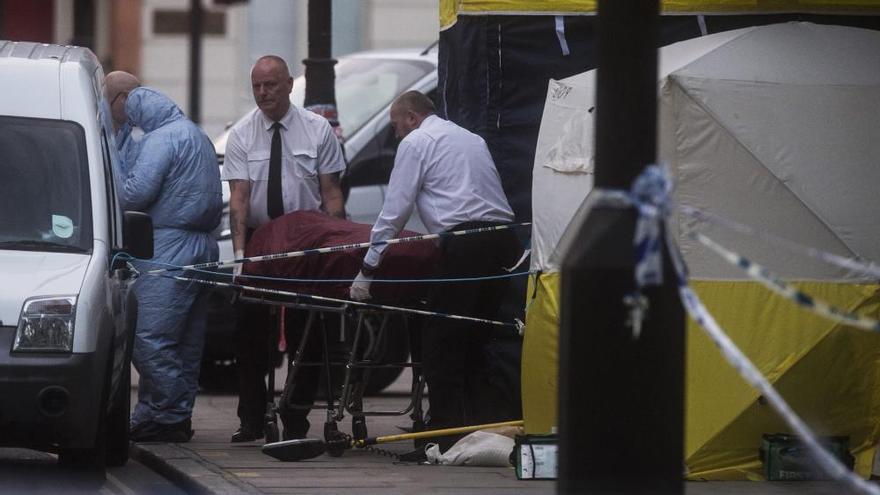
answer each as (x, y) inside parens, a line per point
(210, 464)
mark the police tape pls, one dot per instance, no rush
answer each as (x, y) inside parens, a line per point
(775, 284)
(480, 278)
(866, 268)
(753, 376)
(750, 373)
(734, 356)
(517, 324)
(343, 247)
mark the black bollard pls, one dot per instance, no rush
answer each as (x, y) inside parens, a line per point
(621, 398)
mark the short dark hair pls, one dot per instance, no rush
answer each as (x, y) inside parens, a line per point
(417, 102)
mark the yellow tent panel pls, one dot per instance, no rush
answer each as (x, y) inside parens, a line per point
(450, 9)
(827, 372)
(540, 357)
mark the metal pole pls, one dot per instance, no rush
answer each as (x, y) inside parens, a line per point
(320, 94)
(196, 16)
(621, 398)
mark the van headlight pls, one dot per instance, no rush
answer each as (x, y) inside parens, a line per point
(46, 325)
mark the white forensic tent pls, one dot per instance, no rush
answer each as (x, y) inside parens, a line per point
(774, 127)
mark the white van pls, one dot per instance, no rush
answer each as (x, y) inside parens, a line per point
(67, 314)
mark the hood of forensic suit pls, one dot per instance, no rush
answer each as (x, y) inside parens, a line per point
(150, 110)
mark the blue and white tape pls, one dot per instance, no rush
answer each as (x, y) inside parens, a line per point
(518, 325)
(768, 279)
(752, 375)
(866, 268)
(695, 308)
(173, 267)
(650, 194)
(333, 249)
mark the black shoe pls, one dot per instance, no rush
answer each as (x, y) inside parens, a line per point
(292, 435)
(247, 434)
(144, 432)
(181, 432)
(172, 435)
(156, 432)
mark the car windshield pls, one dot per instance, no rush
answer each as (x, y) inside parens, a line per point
(365, 86)
(44, 186)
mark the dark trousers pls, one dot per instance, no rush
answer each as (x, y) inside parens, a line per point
(460, 384)
(257, 327)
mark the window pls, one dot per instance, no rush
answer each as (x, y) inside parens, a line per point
(177, 22)
(365, 86)
(44, 186)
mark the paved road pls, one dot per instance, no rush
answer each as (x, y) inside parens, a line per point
(30, 472)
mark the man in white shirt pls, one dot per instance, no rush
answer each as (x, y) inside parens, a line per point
(279, 159)
(449, 174)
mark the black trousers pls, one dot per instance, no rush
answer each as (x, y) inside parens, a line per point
(257, 327)
(461, 388)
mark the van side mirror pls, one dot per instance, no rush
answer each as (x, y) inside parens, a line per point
(137, 234)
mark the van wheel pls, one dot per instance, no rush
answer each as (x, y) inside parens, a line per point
(93, 458)
(116, 431)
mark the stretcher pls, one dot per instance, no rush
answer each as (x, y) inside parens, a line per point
(370, 328)
(363, 355)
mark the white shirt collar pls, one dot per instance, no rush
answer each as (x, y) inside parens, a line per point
(285, 121)
(429, 119)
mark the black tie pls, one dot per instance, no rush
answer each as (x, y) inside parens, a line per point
(275, 202)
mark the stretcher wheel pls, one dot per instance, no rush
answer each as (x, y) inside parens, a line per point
(359, 427)
(271, 431)
(336, 441)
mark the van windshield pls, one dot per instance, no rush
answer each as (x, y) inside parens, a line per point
(44, 186)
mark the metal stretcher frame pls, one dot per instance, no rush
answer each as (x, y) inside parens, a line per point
(357, 368)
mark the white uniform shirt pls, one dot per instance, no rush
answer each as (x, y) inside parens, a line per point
(308, 148)
(449, 174)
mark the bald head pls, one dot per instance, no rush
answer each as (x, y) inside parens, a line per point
(117, 85)
(272, 84)
(416, 102)
(408, 111)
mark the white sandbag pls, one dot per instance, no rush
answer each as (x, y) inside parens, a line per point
(480, 448)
